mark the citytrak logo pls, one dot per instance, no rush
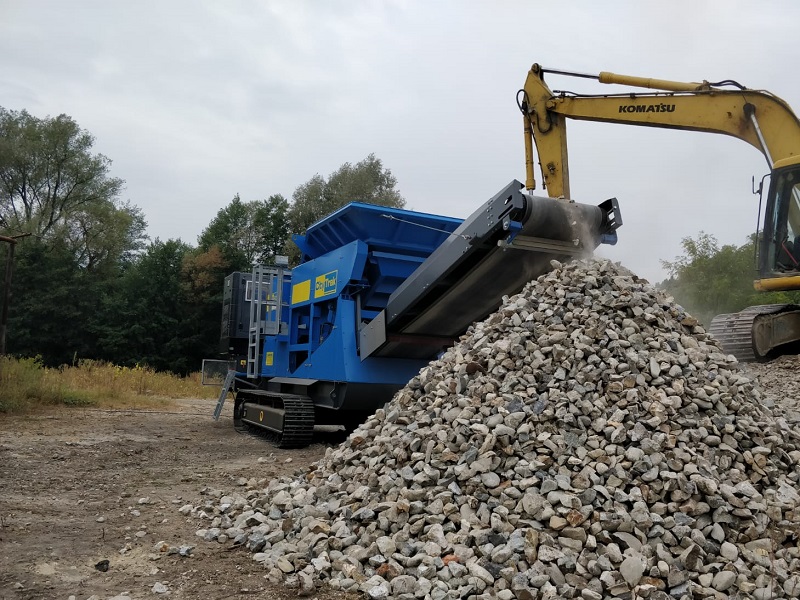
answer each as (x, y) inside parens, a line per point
(647, 108)
(325, 285)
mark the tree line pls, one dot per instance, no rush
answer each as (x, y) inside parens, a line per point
(88, 283)
(710, 279)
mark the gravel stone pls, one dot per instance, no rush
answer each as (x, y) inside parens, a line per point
(723, 580)
(158, 587)
(632, 569)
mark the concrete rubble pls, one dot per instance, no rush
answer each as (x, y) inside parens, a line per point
(587, 440)
(779, 384)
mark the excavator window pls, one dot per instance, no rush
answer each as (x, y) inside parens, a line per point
(787, 221)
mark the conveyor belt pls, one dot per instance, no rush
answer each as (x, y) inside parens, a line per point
(465, 279)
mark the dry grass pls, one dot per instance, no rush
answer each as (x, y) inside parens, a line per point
(26, 384)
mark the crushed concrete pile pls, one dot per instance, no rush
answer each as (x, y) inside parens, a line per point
(779, 384)
(588, 440)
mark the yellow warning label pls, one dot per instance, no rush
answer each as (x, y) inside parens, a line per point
(301, 292)
(325, 285)
(269, 357)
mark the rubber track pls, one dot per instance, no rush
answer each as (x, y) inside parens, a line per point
(734, 331)
(298, 418)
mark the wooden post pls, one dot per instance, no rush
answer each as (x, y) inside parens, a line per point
(12, 242)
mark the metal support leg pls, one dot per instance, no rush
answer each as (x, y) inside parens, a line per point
(226, 387)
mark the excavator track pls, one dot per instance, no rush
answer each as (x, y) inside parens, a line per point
(757, 331)
(290, 417)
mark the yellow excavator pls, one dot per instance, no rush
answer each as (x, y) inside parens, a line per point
(758, 117)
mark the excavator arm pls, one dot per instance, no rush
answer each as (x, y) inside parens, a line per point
(757, 117)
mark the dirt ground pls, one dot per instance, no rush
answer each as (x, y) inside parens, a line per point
(79, 486)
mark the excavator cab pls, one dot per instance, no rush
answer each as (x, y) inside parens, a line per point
(780, 244)
(758, 332)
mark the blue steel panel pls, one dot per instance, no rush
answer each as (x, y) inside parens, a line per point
(357, 246)
(381, 227)
(336, 359)
(347, 262)
(385, 272)
(280, 357)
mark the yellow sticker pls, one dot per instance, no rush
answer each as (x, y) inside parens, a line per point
(260, 416)
(269, 358)
(301, 292)
(325, 285)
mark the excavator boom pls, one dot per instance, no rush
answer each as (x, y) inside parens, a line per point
(757, 117)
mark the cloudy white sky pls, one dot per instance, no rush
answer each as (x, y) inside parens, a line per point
(195, 101)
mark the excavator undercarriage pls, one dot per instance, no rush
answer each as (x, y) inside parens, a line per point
(758, 332)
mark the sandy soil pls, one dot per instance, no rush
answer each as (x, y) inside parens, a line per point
(73, 490)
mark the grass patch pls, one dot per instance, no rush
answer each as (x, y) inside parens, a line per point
(25, 384)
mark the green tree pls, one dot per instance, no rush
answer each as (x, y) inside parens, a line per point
(53, 186)
(55, 304)
(48, 173)
(145, 319)
(709, 279)
(272, 222)
(101, 234)
(248, 232)
(367, 181)
(202, 277)
(309, 204)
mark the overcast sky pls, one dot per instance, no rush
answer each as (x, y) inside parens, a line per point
(195, 101)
